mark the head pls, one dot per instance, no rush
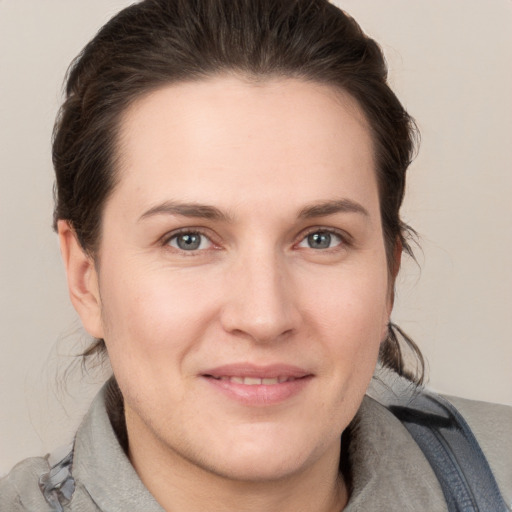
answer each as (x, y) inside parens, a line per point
(294, 53)
(154, 43)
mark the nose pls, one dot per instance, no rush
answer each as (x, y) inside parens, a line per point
(261, 303)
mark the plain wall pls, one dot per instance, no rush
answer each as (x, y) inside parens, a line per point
(450, 63)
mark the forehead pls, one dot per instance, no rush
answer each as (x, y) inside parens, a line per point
(199, 138)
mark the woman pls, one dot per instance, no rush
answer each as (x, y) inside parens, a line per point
(229, 177)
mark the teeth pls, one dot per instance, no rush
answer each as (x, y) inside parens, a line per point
(251, 381)
(256, 381)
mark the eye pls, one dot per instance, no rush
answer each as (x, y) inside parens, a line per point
(190, 241)
(321, 239)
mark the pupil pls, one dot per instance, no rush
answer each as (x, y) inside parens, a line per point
(319, 240)
(189, 242)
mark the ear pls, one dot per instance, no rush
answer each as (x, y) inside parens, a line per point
(82, 280)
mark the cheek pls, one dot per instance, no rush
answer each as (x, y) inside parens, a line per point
(353, 301)
(351, 316)
(151, 326)
(152, 313)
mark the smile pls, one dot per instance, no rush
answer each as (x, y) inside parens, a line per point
(255, 381)
(258, 386)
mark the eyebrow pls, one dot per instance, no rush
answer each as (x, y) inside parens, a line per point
(325, 208)
(201, 211)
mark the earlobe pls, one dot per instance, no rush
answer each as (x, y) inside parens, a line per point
(82, 280)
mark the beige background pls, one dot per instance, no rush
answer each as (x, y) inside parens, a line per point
(450, 63)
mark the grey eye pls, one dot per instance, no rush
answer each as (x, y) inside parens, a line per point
(321, 240)
(189, 241)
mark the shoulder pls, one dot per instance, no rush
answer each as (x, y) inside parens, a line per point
(491, 424)
(19, 489)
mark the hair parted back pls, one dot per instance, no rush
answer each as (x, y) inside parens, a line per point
(154, 43)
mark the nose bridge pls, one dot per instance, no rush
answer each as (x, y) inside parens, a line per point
(260, 304)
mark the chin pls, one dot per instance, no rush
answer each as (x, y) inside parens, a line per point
(258, 468)
(264, 458)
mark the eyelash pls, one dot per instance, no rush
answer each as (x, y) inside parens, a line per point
(187, 231)
(345, 239)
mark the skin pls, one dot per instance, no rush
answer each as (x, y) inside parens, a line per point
(275, 161)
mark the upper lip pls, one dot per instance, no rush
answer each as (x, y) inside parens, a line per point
(270, 371)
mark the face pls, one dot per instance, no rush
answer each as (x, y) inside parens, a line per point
(243, 289)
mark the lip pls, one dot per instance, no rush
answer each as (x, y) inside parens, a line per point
(291, 380)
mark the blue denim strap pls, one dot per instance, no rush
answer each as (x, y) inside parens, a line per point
(453, 452)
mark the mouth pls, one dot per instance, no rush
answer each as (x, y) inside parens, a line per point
(255, 381)
(253, 385)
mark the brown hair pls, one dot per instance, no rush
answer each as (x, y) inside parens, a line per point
(158, 42)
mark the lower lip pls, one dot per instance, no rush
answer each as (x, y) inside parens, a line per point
(259, 394)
